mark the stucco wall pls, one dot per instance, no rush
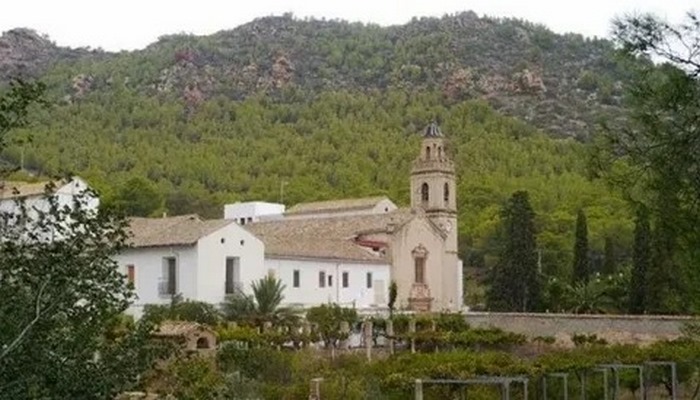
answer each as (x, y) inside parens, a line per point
(310, 294)
(148, 268)
(213, 249)
(638, 329)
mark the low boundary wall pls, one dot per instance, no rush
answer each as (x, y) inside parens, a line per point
(627, 329)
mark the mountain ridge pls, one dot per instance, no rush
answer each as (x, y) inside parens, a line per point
(563, 84)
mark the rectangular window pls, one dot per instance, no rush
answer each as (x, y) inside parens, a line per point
(233, 274)
(369, 280)
(295, 278)
(131, 275)
(420, 269)
(169, 282)
(346, 279)
(321, 279)
(330, 280)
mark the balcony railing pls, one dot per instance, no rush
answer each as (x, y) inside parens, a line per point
(231, 288)
(166, 288)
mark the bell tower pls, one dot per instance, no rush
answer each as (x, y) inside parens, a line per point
(433, 189)
(433, 179)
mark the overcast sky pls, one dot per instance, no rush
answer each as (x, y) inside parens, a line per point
(132, 24)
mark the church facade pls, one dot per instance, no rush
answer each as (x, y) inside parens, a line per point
(349, 251)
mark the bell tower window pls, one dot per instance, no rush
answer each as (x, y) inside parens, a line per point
(427, 153)
(424, 193)
(446, 194)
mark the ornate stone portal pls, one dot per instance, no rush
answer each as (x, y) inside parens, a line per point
(419, 298)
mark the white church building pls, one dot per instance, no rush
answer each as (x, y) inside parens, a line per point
(348, 251)
(341, 251)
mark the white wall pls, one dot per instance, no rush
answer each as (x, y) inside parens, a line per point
(237, 242)
(148, 267)
(310, 294)
(201, 268)
(252, 211)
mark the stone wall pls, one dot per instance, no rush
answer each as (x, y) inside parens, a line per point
(627, 329)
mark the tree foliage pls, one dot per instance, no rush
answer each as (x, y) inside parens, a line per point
(661, 144)
(263, 307)
(64, 290)
(328, 320)
(516, 282)
(581, 268)
(641, 259)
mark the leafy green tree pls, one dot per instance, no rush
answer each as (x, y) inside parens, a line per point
(641, 259)
(661, 142)
(516, 283)
(64, 291)
(581, 267)
(15, 105)
(137, 197)
(328, 318)
(179, 310)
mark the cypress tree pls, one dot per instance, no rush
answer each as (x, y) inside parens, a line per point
(515, 284)
(581, 264)
(609, 261)
(641, 260)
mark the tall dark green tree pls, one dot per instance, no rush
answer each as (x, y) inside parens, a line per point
(610, 256)
(641, 260)
(515, 281)
(581, 270)
(667, 278)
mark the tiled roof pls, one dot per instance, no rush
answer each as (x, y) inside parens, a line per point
(326, 238)
(16, 190)
(332, 206)
(171, 231)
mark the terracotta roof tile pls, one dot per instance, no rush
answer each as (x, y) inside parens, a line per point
(331, 206)
(178, 328)
(328, 238)
(171, 231)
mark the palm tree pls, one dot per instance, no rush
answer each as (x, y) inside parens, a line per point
(262, 307)
(589, 298)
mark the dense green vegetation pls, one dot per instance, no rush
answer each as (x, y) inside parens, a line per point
(343, 144)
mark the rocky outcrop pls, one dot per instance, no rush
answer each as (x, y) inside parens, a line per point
(24, 53)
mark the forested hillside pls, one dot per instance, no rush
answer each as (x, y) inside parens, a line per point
(329, 109)
(560, 83)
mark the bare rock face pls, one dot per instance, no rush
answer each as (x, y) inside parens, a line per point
(81, 85)
(21, 51)
(282, 71)
(527, 81)
(26, 54)
(459, 82)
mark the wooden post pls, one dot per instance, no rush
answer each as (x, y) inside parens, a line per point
(368, 339)
(412, 332)
(419, 389)
(390, 334)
